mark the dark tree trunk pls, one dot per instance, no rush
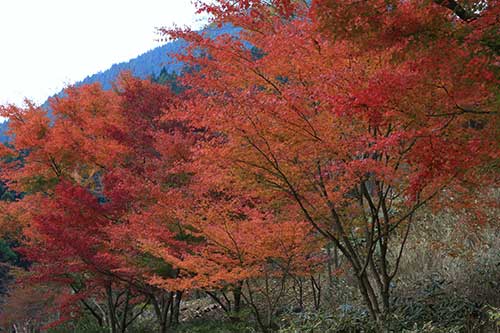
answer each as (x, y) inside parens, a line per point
(174, 313)
(237, 297)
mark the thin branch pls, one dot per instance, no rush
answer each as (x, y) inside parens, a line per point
(458, 10)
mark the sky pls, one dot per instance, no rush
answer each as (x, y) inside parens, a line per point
(46, 45)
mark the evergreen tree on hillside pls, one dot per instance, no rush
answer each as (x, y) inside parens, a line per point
(170, 79)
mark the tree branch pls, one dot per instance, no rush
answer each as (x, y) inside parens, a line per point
(457, 9)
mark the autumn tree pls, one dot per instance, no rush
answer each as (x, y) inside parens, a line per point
(353, 115)
(95, 181)
(251, 253)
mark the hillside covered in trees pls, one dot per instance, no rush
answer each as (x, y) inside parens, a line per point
(157, 63)
(319, 166)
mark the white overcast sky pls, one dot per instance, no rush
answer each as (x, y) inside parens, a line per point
(47, 44)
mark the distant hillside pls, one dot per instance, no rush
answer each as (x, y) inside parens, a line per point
(3, 128)
(147, 64)
(151, 62)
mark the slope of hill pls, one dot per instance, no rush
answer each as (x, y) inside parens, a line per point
(3, 129)
(147, 64)
(151, 63)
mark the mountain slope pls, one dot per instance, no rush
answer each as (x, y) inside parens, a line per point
(151, 62)
(147, 64)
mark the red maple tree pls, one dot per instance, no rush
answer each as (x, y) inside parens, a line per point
(352, 114)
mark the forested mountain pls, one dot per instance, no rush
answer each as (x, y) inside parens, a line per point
(3, 129)
(146, 64)
(150, 63)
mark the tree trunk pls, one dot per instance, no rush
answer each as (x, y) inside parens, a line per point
(174, 312)
(125, 312)
(111, 310)
(161, 307)
(237, 297)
